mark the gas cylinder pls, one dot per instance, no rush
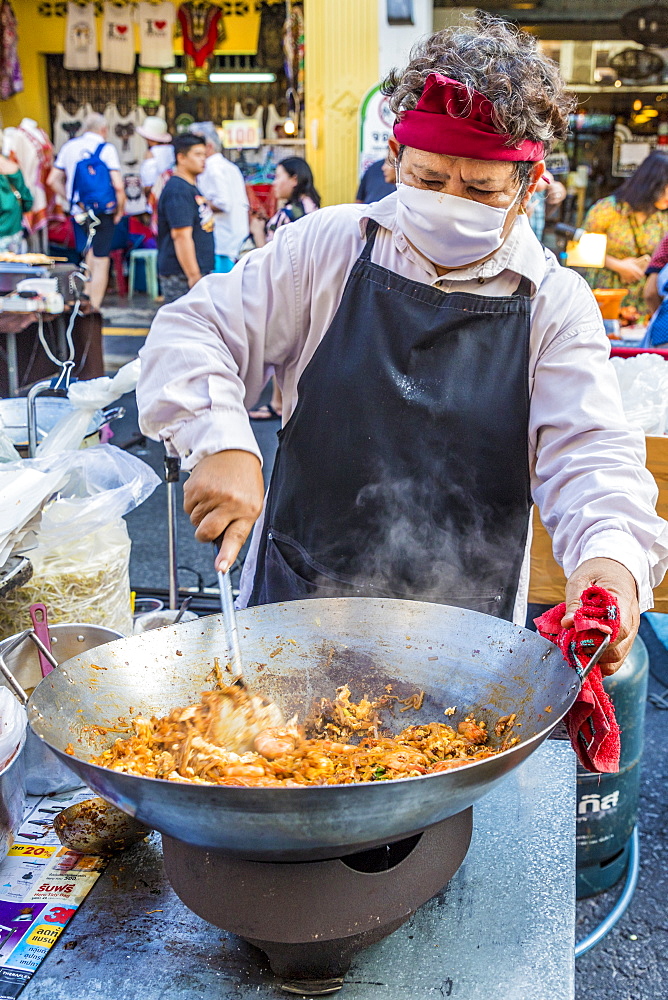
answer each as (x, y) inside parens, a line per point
(607, 804)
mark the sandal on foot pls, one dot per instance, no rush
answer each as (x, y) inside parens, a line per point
(265, 412)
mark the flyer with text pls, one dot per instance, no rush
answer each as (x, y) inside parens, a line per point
(41, 886)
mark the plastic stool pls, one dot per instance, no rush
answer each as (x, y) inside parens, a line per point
(150, 259)
(117, 259)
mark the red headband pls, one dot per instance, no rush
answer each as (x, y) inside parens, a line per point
(450, 119)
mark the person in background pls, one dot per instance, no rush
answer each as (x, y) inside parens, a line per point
(635, 220)
(92, 145)
(185, 222)
(658, 261)
(656, 334)
(293, 185)
(160, 154)
(15, 199)
(223, 186)
(548, 193)
(378, 180)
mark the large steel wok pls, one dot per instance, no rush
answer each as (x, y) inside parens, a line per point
(297, 652)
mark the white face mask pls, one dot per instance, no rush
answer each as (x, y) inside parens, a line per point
(448, 230)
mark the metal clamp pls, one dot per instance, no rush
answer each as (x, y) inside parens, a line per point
(10, 647)
(584, 672)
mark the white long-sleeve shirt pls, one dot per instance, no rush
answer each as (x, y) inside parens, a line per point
(222, 184)
(208, 356)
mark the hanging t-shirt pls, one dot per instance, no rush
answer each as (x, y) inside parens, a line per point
(274, 122)
(156, 34)
(67, 126)
(118, 40)
(135, 199)
(202, 29)
(252, 156)
(80, 37)
(122, 133)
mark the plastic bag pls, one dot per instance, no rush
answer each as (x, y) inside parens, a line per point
(24, 488)
(45, 773)
(81, 549)
(87, 397)
(104, 483)
(86, 579)
(8, 452)
(13, 723)
(643, 381)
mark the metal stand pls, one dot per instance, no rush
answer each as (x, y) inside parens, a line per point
(12, 364)
(620, 907)
(172, 473)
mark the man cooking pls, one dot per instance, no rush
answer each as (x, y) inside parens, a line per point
(439, 370)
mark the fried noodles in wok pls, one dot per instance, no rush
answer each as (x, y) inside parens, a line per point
(182, 746)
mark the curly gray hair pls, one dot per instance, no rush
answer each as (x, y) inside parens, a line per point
(498, 60)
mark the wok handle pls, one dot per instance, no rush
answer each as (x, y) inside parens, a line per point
(6, 672)
(584, 672)
(40, 624)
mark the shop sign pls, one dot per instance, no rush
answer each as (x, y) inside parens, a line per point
(241, 133)
(376, 123)
(557, 163)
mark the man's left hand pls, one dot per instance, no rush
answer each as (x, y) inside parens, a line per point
(612, 576)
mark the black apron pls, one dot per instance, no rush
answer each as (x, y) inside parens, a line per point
(403, 471)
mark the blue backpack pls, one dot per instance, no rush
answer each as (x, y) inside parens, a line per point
(92, 184)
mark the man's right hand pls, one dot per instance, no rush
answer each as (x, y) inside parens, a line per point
(224, 496)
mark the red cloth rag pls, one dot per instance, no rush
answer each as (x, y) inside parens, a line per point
(591, 722)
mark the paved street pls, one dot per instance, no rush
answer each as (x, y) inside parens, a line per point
(630, 963)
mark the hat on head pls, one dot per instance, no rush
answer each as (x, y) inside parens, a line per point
(449, 118)
(155, 129)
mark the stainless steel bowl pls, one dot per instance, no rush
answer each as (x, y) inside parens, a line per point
(44, 772)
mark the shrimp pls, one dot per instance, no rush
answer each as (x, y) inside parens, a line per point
(504, 724)
(472, 731)
(244, 771)
(448, 765)
(276, 741)
(403, 761)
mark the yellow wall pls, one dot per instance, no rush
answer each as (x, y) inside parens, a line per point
(341, 64)
(39, 35)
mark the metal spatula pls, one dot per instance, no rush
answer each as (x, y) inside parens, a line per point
(229, 619)
(241, 714)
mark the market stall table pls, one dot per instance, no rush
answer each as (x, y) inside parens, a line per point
(25, 360)
(504, 926)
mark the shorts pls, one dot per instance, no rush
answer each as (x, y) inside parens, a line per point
(173, 286)
(102, 240)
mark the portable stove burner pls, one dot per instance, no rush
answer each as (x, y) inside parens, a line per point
(310, 918)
